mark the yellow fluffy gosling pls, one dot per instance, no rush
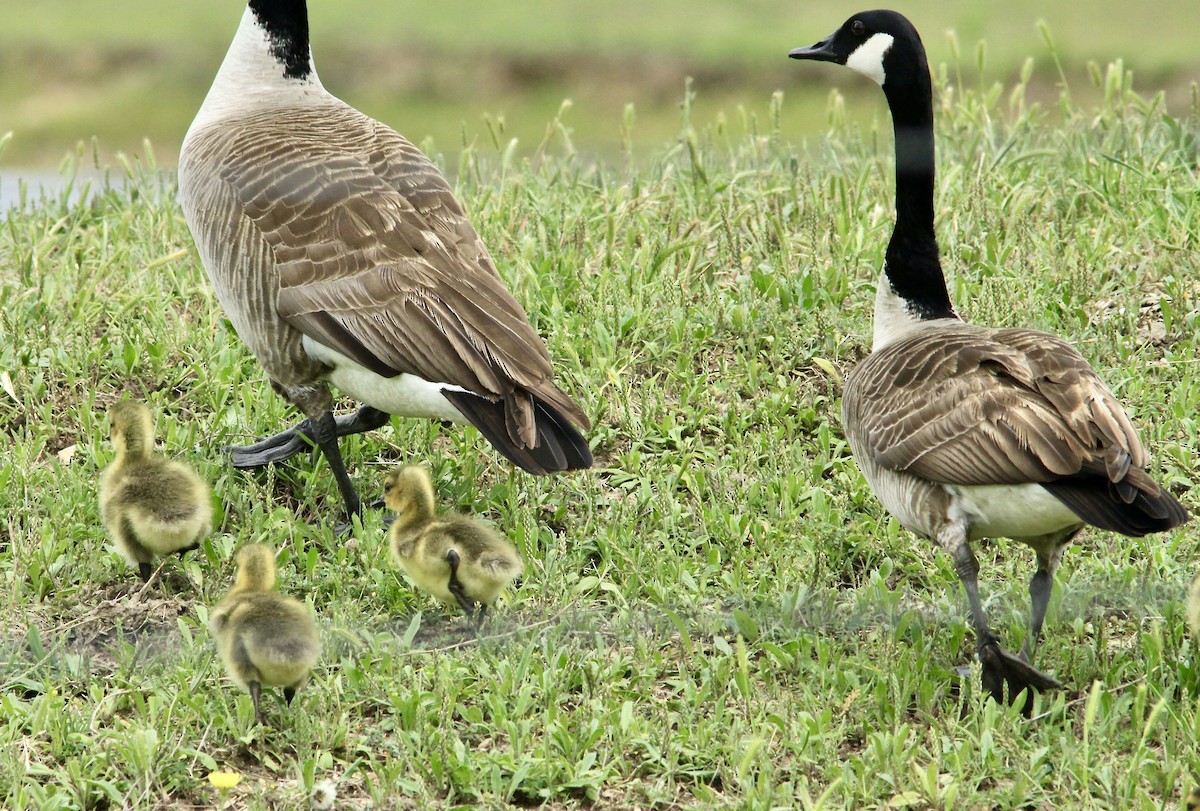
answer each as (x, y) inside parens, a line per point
(150, 506)
(265, 638)
(457, 559)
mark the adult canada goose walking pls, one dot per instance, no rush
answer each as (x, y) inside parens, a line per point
(966, 432)
(340, 254)
(151, 507)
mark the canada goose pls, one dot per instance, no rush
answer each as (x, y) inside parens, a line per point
(966, 432)
(340, 254)
(457, 559)
(265, 638)
(151, 507)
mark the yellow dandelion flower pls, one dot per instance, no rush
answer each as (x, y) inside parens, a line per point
(224, 780)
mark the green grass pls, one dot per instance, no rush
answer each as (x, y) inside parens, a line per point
(141, 69)
(720, 615)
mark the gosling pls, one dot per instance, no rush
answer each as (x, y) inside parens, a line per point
(458, 560)
(151, 507)
(265, 638)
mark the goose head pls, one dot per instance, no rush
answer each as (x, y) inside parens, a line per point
(408, 491)
(882, 45)
(255, 568)
(131, 429)
(885, 46)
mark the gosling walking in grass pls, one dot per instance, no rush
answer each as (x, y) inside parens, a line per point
(457, 559)
(265, 638)
(150, 507)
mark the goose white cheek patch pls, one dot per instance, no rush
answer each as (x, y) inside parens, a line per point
(867, 58)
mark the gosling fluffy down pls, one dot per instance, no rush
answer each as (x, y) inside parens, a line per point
(150, 506)
(265, 638)
(457, 559)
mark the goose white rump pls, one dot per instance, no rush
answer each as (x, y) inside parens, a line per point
(1010, 510)
(404, 395)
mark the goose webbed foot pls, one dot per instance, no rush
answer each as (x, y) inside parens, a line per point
(301, 437)
(1001, 669)
(323, 433)
(277, 448)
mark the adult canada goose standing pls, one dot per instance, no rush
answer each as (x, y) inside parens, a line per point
(966, 432)
(340, 255)
(151, 507)
(265, 638)
(455, 558)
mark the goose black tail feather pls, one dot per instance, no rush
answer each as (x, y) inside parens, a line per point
(1093, 500)
(560, 445)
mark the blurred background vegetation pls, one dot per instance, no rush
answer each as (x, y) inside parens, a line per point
(479, 72)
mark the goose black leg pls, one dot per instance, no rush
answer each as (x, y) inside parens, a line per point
(1000, 668)
(1040, 586)
(288, 694)
(144, 571)
(456, 587)
(287, 444)
(326, 436)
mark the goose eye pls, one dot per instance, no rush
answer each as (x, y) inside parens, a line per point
(387, 487)
(857, 28)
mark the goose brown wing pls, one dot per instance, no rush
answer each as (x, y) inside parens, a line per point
(375, 258)
(972, 406)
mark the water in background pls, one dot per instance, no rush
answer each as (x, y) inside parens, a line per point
(32, 185)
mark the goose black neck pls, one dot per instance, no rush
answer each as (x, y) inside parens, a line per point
(286, 24)
(912, 254)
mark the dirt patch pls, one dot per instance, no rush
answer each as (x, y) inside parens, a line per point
(133, 614)
(102, 622)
